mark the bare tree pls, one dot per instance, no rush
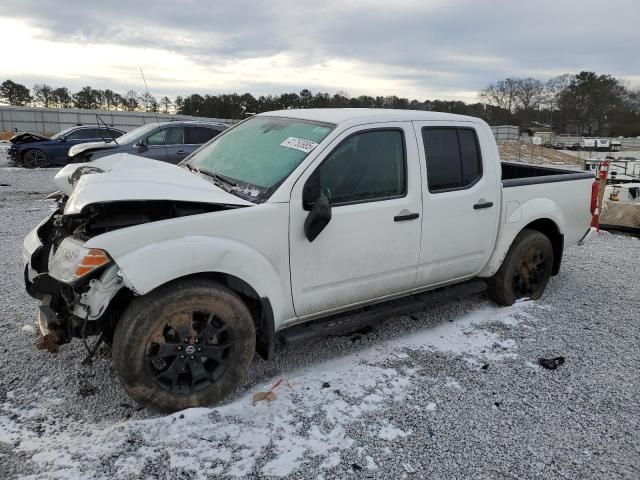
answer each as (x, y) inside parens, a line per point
(43, 94)
(503, 94)
(131, 101)
(166, 104)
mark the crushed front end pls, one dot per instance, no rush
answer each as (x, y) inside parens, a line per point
(75, 285)
(82, 290)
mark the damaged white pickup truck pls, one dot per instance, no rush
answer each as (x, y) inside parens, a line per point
(290, 224)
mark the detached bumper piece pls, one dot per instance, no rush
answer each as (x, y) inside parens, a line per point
(48, 339)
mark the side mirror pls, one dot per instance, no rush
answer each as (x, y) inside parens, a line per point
(62, 138)
(318, 218)
(142, 145)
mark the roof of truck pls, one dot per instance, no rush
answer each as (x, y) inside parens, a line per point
(341, 115)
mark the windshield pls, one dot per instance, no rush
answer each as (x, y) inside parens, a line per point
(63, 132)
(136, 133)
(257, 155)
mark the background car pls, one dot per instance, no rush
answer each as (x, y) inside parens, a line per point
(166, 141)
(31, 150)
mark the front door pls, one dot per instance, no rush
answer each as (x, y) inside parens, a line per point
(166, 144)
(370, 248)
(461, 201)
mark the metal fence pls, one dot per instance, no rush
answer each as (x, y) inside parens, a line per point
(47, 121)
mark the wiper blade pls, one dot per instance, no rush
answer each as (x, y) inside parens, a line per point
(224, 179)
(219, 179)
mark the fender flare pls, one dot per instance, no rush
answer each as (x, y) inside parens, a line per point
(146, 268)
(517, 219)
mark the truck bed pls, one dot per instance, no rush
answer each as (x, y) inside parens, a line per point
(518, 174)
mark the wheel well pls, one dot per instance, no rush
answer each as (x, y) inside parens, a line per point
(259, 307)
(550, 229)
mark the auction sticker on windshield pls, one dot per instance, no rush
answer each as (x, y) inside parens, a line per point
(299, 144)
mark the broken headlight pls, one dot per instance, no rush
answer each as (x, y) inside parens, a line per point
(73, 261)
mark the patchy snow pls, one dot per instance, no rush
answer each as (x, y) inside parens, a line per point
(4, 153)
(389, 432)
(238, 434)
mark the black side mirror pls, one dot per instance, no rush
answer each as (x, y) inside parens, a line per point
(142, 145)
(311, 191)
(62, 138)
(318, 218)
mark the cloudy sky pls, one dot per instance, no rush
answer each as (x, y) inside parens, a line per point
(415, 48)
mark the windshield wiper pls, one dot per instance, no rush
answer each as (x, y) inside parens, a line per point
(217, 177)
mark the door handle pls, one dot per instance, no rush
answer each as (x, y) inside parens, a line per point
(180, 152)
(482, 204)
(405, 217)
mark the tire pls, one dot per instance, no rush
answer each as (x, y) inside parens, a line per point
(34, 158)
(157, 340)
(525, 271)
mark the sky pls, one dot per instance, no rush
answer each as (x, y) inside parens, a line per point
(424, 49)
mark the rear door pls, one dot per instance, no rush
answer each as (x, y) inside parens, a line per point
(370, 247)
(460, 200)
(196, 136)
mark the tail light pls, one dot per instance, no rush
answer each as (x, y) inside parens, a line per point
(594, 197)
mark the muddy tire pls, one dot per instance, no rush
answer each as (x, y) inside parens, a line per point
(187, 344)
(34, 158)
(525, 271)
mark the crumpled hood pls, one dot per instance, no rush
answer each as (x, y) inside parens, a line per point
(27, 137)
(125, 177)
(83, 147)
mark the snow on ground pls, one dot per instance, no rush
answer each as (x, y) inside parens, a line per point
(240, 432)
(4, 158)
(450, 392)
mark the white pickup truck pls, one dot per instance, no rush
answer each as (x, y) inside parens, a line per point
(290, 224)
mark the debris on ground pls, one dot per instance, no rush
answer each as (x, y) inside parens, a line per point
(270, 395)
(29, 329)
(551, 363)
(408, 468)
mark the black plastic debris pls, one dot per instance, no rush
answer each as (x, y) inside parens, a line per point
(356, 467)
(551, 363)
(325, 385)
(485, 366)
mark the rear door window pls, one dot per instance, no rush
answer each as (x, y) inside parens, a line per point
(453, 158)
(199, 135)
(81, 134)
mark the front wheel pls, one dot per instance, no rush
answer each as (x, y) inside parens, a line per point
(184, 345)
(34, 159)
(525, 271)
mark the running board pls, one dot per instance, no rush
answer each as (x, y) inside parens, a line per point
(353, 321)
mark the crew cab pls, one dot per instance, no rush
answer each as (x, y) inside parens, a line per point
(287, 224)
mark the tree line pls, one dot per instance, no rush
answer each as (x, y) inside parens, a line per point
(584, 103)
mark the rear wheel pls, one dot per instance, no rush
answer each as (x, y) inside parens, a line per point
(525, 271)
(34, 158)
(185, 345)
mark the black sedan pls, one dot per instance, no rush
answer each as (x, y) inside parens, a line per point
(31, 150)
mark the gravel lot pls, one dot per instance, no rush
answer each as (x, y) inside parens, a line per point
(455, 392)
